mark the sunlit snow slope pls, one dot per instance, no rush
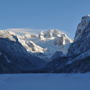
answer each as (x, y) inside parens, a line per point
(43, 44)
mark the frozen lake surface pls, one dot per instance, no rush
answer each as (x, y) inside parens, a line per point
(45, 81)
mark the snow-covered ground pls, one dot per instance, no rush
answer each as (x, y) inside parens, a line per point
(45, 82)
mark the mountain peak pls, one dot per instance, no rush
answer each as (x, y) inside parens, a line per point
(52, 34)
(85, 20)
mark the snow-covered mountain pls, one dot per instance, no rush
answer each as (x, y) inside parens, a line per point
(44, 44)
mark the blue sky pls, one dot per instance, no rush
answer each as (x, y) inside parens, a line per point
(43, 14)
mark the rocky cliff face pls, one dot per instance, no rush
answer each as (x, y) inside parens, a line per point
(82, 38)
(78, 57)
(80, 49)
